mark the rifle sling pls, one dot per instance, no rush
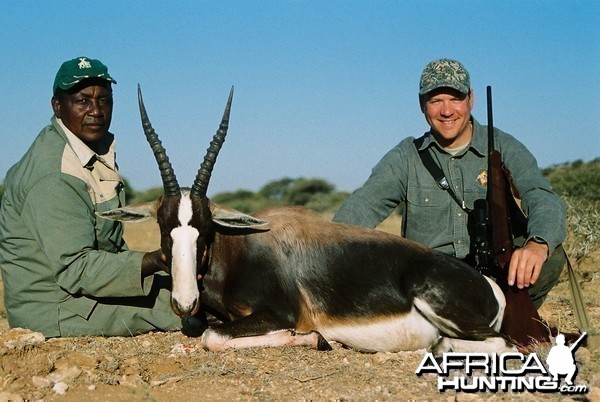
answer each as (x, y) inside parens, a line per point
(577, 296)
(436, 172)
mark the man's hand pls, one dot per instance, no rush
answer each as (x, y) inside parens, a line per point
(526, 264)
(153, 262)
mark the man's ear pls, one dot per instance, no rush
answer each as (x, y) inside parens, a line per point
(55, 102)
(471, 99)
(422, 101)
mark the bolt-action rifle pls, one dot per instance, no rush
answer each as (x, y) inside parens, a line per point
(494, 245)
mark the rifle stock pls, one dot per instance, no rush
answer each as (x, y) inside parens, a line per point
(521, 321)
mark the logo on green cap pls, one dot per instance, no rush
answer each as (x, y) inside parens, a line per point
(74, 71)
(84, 63)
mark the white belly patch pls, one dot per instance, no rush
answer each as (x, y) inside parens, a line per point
(382, 334)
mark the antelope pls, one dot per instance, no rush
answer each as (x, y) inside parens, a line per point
(287, 276)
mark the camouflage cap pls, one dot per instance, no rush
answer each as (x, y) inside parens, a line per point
(72, 72)
(444, 73)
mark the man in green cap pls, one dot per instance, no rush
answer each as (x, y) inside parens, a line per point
(67, 271)
(436, 212)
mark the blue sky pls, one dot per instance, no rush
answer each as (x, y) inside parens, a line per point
(322, 88)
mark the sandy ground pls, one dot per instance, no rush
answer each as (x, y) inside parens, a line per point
(172, 367)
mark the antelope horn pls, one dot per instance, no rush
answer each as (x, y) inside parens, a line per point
(203, 176)
(170, 185)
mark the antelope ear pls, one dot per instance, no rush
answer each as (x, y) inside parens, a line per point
(231, 218)
(132, 213)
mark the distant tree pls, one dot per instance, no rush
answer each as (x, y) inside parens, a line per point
(139, 197)
(331, 202)
(303, 190)
(316, 194)
(276, 190)
(243, 200)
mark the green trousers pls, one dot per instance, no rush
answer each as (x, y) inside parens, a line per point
(125, 316)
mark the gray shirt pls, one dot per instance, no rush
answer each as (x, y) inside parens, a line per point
(430, 215)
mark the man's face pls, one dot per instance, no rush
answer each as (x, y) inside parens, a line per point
(87, 113)
(448, 112)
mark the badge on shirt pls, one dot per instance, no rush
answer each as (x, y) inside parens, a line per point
(482, 177)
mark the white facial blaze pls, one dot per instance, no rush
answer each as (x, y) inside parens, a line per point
(183, 269)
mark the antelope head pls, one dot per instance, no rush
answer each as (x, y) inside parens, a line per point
(185, 216)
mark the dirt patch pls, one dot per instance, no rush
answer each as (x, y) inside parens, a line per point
(172, 367)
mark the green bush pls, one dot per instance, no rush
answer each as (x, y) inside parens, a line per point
(243, 200)
(578, 179)
(583, 222)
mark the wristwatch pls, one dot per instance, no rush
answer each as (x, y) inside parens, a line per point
(537, 239)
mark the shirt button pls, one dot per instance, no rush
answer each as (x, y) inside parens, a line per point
(459, 241)
(459, 214)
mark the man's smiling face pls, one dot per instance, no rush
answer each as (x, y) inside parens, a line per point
(448, 112)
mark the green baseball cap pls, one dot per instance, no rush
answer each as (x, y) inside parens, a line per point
(444, 73)
(72, 72)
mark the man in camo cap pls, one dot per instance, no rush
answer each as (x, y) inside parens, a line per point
(435, 212)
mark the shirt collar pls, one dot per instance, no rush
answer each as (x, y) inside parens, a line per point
(85, 154)
(478, 142)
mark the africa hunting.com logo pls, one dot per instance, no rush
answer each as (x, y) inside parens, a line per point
(507, 372)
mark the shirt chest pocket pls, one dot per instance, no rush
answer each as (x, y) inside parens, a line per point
(427, 211)
(426, 197)
(471, 195)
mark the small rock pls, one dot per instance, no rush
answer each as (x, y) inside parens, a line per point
(173, 380)
(66, 374)
(76, 359)
(60, 388)
(157, 383)
(179, 349)
(168, 381)
(134, 380)
(40, 382)
(20, 337)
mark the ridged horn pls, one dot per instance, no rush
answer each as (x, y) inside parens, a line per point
(203, 177)
(170, 185)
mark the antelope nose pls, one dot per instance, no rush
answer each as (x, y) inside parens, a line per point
(187, 309)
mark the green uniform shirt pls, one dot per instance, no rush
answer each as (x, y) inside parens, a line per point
(430, 216)
(55, 252)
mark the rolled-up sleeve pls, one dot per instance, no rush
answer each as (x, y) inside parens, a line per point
(545, 210)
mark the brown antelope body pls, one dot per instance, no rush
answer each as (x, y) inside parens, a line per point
(286, 276)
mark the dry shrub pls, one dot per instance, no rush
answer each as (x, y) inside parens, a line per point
(583, 222)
